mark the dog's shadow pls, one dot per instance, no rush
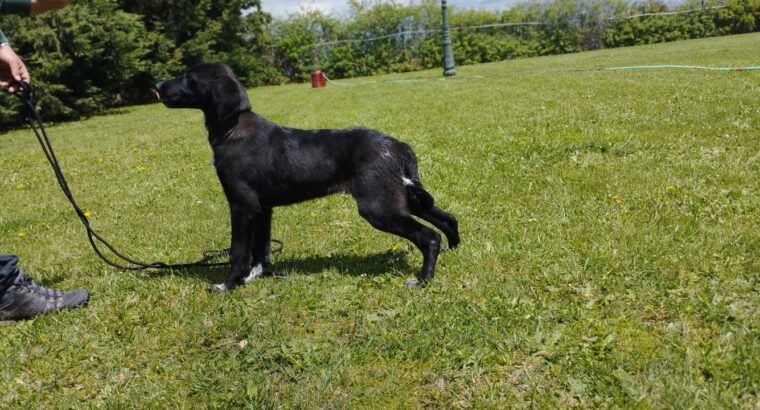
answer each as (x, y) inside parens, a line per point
(375, 264)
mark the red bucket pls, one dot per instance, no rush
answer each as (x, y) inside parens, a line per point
(318, 79)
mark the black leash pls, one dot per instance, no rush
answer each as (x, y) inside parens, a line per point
(34, 120)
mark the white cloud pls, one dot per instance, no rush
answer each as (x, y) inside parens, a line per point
(281, 8)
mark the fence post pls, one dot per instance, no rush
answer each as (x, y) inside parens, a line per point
(448, 54)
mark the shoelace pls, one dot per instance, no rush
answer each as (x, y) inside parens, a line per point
(25, 282)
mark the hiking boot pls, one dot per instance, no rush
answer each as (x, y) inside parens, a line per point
(25, 299)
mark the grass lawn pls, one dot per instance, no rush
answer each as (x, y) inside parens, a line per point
(610, 258)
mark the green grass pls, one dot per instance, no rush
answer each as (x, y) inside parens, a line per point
(610, 257)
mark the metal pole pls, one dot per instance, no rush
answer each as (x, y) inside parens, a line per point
(448, 54)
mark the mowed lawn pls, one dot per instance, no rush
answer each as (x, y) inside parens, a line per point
(610, 256)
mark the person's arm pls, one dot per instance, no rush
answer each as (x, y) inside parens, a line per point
(12, 68)
(27, 7)
(23, 7)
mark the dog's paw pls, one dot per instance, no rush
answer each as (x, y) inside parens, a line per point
(450, 248)
(414, 284)
(256, 273)
(275, 274)
(218, 288)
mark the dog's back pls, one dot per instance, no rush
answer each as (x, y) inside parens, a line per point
(288, 165)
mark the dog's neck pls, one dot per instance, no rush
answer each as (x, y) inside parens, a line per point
(219, 129)
(243, 124)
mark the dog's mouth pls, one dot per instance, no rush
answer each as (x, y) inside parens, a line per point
(157, 94)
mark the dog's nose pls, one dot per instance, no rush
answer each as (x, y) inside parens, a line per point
(157, 89)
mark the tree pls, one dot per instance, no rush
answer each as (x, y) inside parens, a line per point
(208, 30)
(82, 59)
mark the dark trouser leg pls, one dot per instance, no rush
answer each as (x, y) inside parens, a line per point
(8, 271)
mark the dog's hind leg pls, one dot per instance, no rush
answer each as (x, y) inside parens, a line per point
(421, 204)
(397, 220)
(443, 221)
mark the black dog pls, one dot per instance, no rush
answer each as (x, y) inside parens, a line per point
(262, 165)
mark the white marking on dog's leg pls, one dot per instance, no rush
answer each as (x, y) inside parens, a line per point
(256, 272)
(407, 181)
(413, 284)
(219, 287)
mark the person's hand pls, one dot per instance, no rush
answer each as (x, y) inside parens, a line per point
(41, 6)
(12, 69)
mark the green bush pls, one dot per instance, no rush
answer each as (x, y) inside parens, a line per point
(82, 58)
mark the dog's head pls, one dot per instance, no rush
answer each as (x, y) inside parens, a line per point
(211, 87)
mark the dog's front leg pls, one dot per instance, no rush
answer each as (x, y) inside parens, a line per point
(261, 249)
(240, 249)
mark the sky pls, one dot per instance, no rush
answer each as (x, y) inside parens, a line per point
(281, 8)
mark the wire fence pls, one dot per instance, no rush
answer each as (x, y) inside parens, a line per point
(667, 13)
(401, 34)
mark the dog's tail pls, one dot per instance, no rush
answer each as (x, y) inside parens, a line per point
(419, 199)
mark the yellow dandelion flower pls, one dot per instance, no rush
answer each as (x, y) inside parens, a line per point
(20, 186)
(100, 160)
(394, 247)
(142, 168)
(21, 234)
(618, 200)
(88, 214)
(670, 188)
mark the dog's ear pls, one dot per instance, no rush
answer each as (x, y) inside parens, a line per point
(229, 97)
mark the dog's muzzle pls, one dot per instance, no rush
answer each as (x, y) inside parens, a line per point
(157, 90)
